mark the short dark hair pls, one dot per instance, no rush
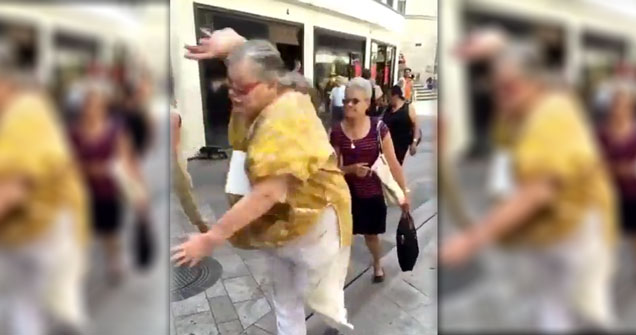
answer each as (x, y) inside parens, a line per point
(397, 90)
(366, 74)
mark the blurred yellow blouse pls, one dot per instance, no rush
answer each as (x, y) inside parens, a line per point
(555, 142)
(288, 138)
(33, 146)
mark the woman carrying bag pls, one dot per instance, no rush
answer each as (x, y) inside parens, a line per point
(355, 140)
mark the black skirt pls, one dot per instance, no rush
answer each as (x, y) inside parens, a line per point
(107, 216)
(628, 213)
(369, 215)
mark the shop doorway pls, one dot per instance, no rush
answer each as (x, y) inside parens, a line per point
(382, 65)
(286, 36)
(336, 54)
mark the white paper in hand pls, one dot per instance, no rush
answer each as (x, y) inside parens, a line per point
(237, 182)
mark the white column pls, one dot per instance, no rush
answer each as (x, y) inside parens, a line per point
(308, 51)
(453, 98)
(44, 64)
(188, 86)
(574, 48)
(367, 51)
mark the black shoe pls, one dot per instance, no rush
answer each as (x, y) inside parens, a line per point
(378, 279)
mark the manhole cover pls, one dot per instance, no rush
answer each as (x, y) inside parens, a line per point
(189, 281)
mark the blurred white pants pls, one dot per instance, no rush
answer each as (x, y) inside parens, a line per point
(575, 280)
(312, 268)
(43, 279)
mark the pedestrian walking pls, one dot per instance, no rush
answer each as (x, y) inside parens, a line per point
(296, 206)
(401, 118)
(100, 147)
(406, 84)
(355, 140)
(336, 96)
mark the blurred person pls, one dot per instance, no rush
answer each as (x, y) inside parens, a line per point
(355, 140)
(134, 116)
(297, 206)
(100, 143)
(406, 84)
(617, 137)
(366, 74)
(43, 215)
(560, 209)
(180, 176)
(401, 118)
(336, 96)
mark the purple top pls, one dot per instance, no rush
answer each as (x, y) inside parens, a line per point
(99, 151)
(366, 151)
(623, 151)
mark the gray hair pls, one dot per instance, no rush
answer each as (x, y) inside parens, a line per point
(361, 84)
(526, 57)
(294, 80)
(263, 54)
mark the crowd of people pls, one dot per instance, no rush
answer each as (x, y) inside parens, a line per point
(306, 189)
(64, 182)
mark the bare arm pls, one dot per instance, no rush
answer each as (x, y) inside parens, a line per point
(13, 193)
(182, 179)
(413, 117)
(218, 45)
(510, 214)
(394, 165)
(263, 197)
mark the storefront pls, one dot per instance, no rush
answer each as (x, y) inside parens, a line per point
(383, 65)
(286, 36)
(324, 39)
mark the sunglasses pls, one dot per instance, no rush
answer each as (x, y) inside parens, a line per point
(354, 101)
(244, 90)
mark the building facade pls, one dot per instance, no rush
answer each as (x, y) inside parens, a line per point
(323, 37)
(419, 45)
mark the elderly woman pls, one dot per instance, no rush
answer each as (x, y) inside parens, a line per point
(558, 205)
(43, 215)
(297, 206)
(355, 140)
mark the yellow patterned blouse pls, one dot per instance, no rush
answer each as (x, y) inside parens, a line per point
(555, 142)
(288, 138)
(33, 146)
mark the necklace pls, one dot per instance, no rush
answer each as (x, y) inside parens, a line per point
(353, 146)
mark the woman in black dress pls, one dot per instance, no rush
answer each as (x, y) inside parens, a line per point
(401, 119)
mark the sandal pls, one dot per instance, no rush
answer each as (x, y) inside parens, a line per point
(378, 279)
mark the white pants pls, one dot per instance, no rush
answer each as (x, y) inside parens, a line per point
(312, 268)
(574, 280)
(42, 279)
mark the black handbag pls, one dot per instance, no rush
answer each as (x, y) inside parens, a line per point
(144, 247)
(406, 241)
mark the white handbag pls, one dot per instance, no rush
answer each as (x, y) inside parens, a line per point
(393, 194)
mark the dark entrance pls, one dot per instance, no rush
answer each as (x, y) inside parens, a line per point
(286, 36)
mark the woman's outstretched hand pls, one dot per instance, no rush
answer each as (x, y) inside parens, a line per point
(196, 247)
(217, 45)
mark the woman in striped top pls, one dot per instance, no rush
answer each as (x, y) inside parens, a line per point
(355, 140)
